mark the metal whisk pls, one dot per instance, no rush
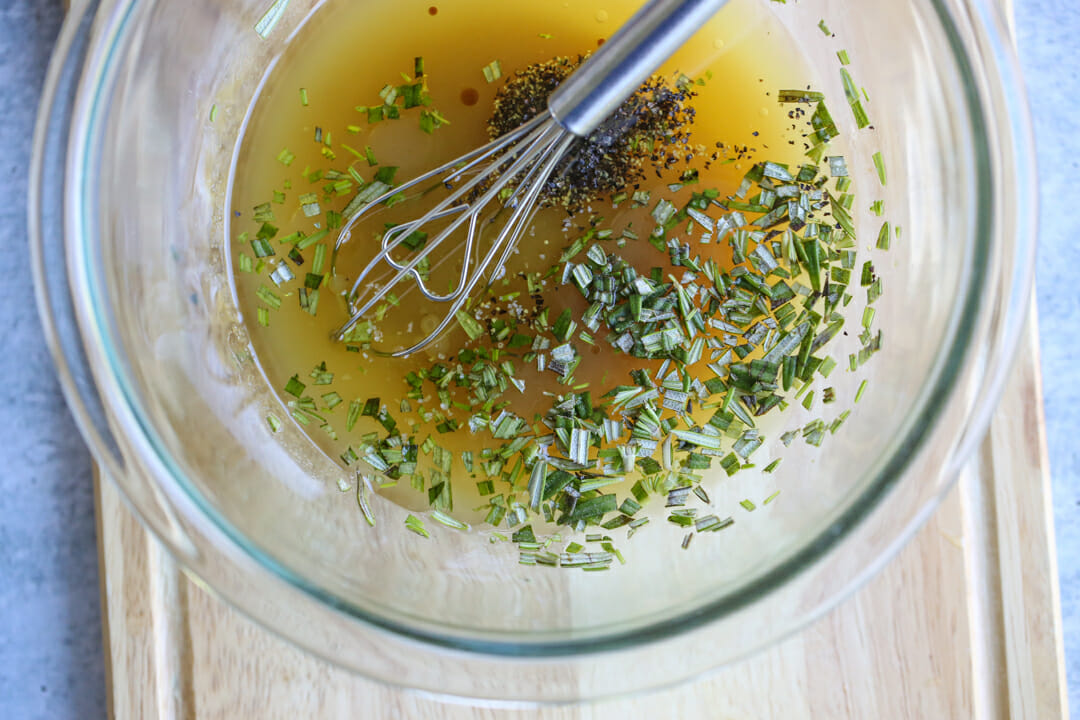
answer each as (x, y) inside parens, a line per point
(526, 157)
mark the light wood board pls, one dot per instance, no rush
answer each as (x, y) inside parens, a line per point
(963, 623)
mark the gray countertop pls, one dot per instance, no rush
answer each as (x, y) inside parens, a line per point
(51, 663)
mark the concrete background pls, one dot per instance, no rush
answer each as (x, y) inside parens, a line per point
(51, 663)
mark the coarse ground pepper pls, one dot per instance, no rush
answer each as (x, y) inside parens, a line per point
(650, 130)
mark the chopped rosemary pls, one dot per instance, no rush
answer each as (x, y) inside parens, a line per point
(270, 18)
(492, 71)
(727, 309)
(879, 163)
(416, 525)
(859, 392)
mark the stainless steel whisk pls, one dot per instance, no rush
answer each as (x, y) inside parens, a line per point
(526, 156)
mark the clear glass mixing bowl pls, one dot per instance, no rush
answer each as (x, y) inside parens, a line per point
(129, 243)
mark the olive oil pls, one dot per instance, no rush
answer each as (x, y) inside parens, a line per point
(313, 116)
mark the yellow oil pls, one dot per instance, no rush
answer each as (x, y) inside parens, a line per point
(341, 59)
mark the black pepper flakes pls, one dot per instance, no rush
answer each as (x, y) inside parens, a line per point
(650, 130)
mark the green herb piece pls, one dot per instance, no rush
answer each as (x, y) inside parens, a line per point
(311, 239)
(873, 292)
(269, 297)
(416, 525)
(711, 523)
(309, 204)
(884, 237)
(318, 260)
(354, 152)
(862, 120)
(492, 71)
(303, 97)
(593, 508)
(273, 422)
(431, 120)
(354, 414)
(309, 300)
(371, 408)
(440, 517)
(824, 28)
(294, 387)
(859, 392)
(698, 439)
(261, 248)
(799, 96)
(681, 520)
(730, 463)
(321, 375)
(852, 95)
(369, 156)
(472, 327)
(663, 211)
(563, 326)
(385, 176)
(879, 163)
(362, 492)
(270, 18)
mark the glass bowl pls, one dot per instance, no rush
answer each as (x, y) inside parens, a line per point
(129, 242)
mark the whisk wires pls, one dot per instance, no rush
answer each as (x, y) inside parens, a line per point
(525, 157)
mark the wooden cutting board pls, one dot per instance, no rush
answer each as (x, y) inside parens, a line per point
(964, 623)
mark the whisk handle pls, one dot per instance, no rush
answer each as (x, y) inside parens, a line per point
(624, 62)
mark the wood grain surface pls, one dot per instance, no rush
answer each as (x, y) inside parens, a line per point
(963, 623)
